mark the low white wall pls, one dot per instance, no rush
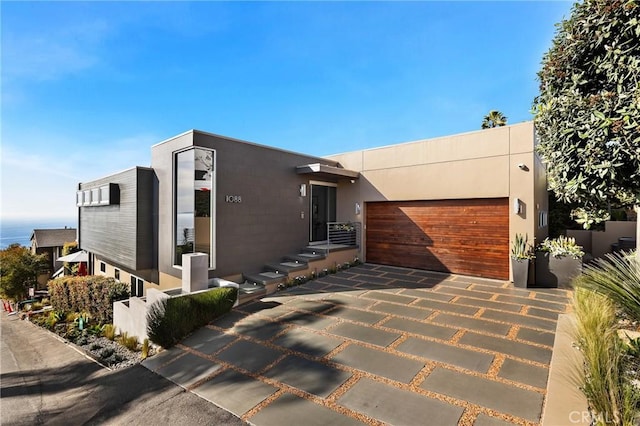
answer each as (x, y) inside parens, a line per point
(133, 318)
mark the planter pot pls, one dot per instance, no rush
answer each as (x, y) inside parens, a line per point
(556, 271)
(520, 268)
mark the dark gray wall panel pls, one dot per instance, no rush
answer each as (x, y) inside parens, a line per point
(265, 226)
(122, 233)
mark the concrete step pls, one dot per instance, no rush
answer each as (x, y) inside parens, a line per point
(306, 256)
(286, 267)
(264, 278)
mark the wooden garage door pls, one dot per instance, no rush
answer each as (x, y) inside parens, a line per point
(469, 237)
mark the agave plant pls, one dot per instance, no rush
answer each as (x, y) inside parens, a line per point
(521, 249)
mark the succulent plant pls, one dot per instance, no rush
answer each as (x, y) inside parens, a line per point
(561, 247)
(521, 249)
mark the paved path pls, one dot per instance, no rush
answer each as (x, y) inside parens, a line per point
(45, 381)
(377, 345)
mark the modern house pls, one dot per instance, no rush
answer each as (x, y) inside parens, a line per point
(51, 243)
(262, 214)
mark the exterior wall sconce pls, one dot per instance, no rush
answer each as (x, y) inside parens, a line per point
(357, 208)
(303, 190)
(517, 206)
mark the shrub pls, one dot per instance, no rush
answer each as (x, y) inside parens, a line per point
(96, 329)
(92, 294)
(129, 342)
(145, 349)
(607, 383)
(109, 331)
(170, 320)
(52, 319)
(107, 352)
(618, 278)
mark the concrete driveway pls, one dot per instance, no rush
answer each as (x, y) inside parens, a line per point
(377, 345)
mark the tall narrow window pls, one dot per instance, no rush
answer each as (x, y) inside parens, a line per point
(137, 286)
(194, 185)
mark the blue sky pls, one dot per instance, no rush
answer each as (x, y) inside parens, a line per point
(88, 87)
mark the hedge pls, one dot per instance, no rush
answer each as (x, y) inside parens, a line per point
(170, 320)
(93, 294)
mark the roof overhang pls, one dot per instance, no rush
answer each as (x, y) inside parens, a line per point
(323, 170)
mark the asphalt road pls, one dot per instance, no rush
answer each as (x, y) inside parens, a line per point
(46, 381)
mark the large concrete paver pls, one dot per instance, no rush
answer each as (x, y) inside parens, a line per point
(398, 407)
(509, 347)
(356, 315)
(318, 379)
(379, 363)
(488, 304)
(208, 341)
(248, 355)
(554, 306)
(308, 342)
(308, 320)
(418, 327)
(188, 369)
(524, 373)
(234, 391)
(473, 323)
(447, 307)
(365, 334)
(484, 420)
(498, 396)
(401, 310)
(536, 336)
(524, 320)
(449, 354)
(389, 297)
(289, 409)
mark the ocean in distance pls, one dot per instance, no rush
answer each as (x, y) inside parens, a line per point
(19, 230)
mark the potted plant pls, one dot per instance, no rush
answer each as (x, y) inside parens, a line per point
(559, 263)
(521, 255)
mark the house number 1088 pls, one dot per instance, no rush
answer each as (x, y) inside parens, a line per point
(233, 198)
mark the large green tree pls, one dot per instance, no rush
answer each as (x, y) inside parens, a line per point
(587, 114)
(19, 270)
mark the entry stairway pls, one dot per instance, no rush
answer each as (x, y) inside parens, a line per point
(310, 259)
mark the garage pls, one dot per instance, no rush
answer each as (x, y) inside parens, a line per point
(468, 237)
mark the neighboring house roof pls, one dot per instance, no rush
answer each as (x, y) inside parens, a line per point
(53, 237)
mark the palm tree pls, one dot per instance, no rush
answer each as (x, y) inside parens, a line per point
(494, 119)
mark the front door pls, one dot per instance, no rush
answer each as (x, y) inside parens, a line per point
(323, 210)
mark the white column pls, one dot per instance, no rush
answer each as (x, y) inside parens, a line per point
(195, 273)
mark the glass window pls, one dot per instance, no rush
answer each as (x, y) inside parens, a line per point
(193, 202)
(95, 196)
(116, 274)
(137, 286)
(103, 267)
(104, 194)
